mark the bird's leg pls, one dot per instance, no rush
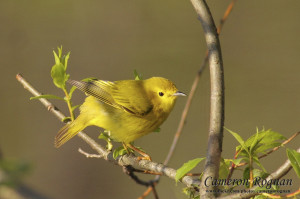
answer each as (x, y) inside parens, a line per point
(145, 155)
(126, 148)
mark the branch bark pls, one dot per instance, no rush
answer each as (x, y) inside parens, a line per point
(214, 148)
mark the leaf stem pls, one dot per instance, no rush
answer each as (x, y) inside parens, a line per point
(69, 103)
(251, 171)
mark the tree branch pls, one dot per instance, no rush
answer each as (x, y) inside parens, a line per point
(107, 155)
(217, 96)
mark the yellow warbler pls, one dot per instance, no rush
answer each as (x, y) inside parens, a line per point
(128, 109)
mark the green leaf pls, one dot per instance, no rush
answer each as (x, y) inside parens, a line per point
(59, 75)
(224, 168)
(88, 79)
(56, 57)
(72, 91)
(58, 71)
(239, 139)
(268, 139)
(237, 161)
(59, 49)
(265, 147)
(259, 173)
(186, 167)
(105, 137)
(256, 160)
(246, 173)
(119, 151)
(294, 158)
(47, 97)
(254, 142)
(65, 60)
(137, 76)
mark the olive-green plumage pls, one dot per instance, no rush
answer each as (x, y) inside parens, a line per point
(128, 109)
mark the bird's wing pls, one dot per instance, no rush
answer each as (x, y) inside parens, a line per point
(130, 94)
(98, 89)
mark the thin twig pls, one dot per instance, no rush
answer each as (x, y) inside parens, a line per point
(107, 155)
(88, 155)
(129, 170)
(148, 191)
(154, 190)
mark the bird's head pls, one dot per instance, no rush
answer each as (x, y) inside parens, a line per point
(162, 92)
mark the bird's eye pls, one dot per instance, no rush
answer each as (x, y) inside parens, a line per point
(161, 94)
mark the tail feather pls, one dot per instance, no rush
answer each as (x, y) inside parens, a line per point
(67, 132)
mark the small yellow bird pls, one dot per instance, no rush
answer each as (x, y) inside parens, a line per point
(128, 109)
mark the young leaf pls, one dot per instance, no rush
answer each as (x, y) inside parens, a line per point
(119, 151)
(239, 139)
(88, 79)
(72, 91)
(255, 142)
(268, 139)
(259, 173)
(224, 168)
(59, 75)
(105, 137)
(58, 71)
(65, 60)
(137, 76)
(256, 160)
(246, 173)
(59, 49)
(186, 167)
(294, 158)
(47, 97)
(56, 57)
(237, 161)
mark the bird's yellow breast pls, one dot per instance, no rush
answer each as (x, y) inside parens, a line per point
(123, 126)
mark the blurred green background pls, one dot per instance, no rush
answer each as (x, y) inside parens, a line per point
(109, 39)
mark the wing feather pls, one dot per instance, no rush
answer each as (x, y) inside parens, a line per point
(98, 89)
(128, 95)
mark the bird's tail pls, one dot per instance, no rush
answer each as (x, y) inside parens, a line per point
(68, 131)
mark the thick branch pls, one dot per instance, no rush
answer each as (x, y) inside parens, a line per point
(217, 95)
(107, 155)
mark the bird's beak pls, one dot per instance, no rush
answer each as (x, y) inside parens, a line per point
(178, 93)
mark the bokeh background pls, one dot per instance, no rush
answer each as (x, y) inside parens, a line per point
(109, 39)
